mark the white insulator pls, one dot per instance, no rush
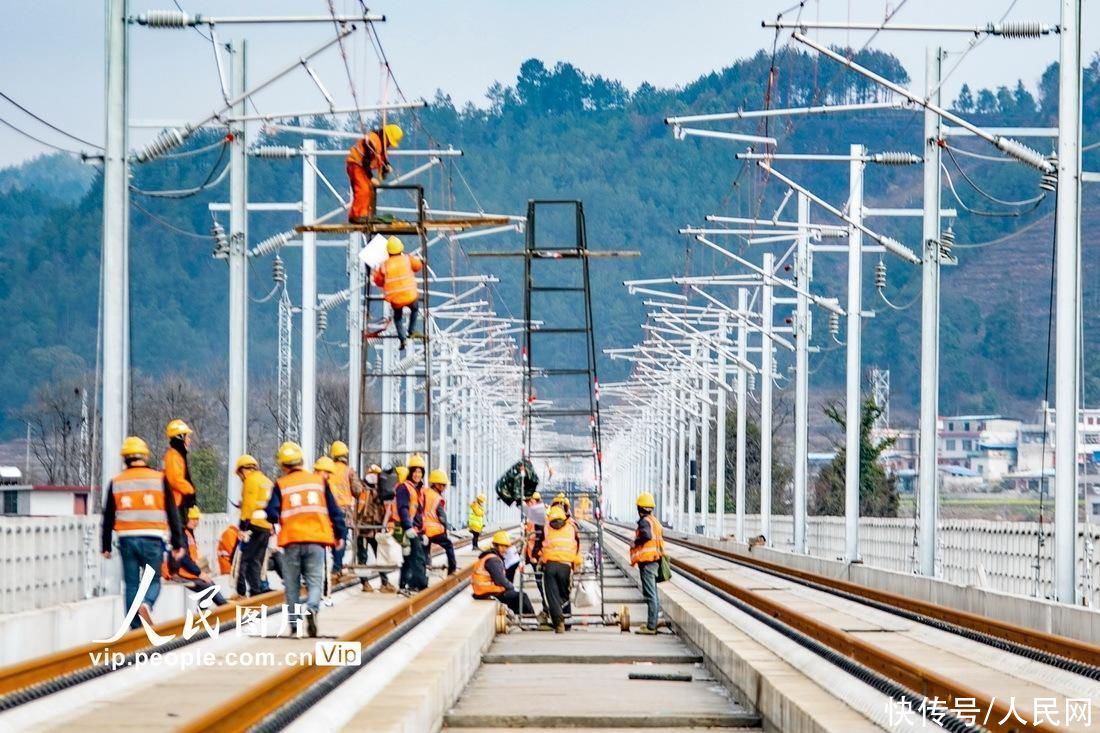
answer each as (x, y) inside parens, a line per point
(167, 19)
(272, 243)
(275, 152)
(163, 142)
(1020, 29)
(278, 271)
(834, 323)
(221, 242)
(1023, 153)
(947, 241)
(322, 321)
(327, 302)
(894, 157)
(1049, 181)
(880, 275)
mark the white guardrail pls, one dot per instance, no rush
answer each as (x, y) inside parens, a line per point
(998, 556)
(49, 560)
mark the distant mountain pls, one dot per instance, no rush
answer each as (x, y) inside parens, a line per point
(557, 132)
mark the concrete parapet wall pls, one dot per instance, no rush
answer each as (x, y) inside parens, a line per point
(1072, 621)
(45, 561)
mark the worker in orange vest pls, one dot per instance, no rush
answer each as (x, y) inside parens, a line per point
(227, 547)
(561, 555)
(367, 166)
(325, 467)
(309, 522)
(189, 567)
(138, 506)
(397, 278)
(176, 468)
(345, 487)
(409, 505)
(435, 517)
(490, 580)
(646, 553)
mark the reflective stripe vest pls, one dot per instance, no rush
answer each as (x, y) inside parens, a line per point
(475, 520)
(561, 545)
(481, 582)
(303, 513)
(227, 545)
(139, 503)
(397, 279)
(370, 145)
(653, 549)
(432, 526)
(340, 484)
(414, 504)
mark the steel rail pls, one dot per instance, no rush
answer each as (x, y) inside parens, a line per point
(1073, 655)
(38, 677)
(279, 690)
(884, 670)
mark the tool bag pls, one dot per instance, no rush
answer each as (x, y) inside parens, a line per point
(586, 594)
(517, 483)
(664, 570)
(389, 550)
(387, 485)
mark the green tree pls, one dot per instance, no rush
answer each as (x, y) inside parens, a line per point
(965, 102)
(878, 492)
(208, 473)
(782, 470)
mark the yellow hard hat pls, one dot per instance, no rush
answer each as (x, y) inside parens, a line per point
(289, 454)
(417, 461)
(246, 461)
(177, 428)
(439, 476)
(646, 501)
(536, 496)
(402, 473)
(193, 513)
(502, 538)
(394, 135)
(555, 512)
(134, 446)
(339, 449)
(324, 463)
(394, 246)
(374, 468)
(481, 498)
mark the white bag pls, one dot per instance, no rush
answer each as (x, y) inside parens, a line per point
(389, 552)
(374, 254)
(587, 594)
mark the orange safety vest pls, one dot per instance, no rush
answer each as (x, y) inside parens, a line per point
(432, 526)
(397, 278)
(341, 487)
(227, 545)
(561, 545)
(481, 582)
(653, 549)
(303, 512)
(139, 503)
(414, 504)
(369, 145)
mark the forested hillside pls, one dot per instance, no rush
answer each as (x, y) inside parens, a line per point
(555, 132)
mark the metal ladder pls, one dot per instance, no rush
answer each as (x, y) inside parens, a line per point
(563, 275)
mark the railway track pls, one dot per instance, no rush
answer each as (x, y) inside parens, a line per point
(907, 649)
(43, 677)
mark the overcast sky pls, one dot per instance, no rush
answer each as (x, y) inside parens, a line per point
(51, 57)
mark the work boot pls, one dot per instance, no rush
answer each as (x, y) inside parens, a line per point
(334, 580)
(401, 345)
(358, 220)
(646, 631)
(311, 624)
(559, 628)
(367, 587)
(146, 614)
(387, 588)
